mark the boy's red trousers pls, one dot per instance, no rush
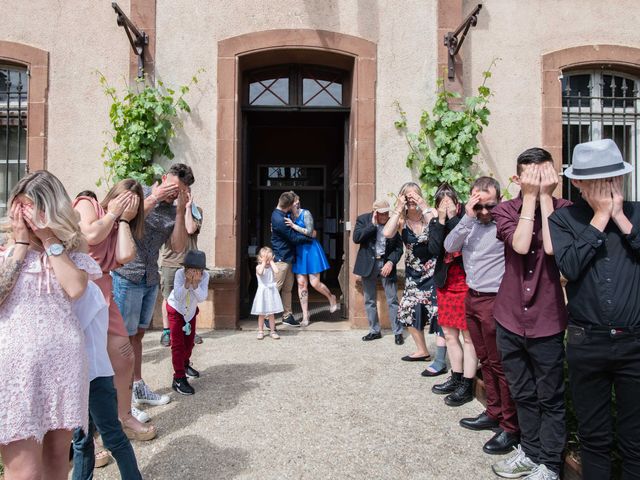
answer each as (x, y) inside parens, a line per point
(181, 344)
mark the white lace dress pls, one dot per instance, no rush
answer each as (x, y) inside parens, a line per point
(43, 363)
(267, 299)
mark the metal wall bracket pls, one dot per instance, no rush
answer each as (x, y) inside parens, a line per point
(137, 39)
(452, 42)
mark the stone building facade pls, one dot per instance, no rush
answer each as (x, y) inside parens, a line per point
(300, 94)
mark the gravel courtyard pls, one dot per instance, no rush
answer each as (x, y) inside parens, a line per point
(313, 405)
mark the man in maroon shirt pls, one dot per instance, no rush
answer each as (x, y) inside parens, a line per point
(531, 316)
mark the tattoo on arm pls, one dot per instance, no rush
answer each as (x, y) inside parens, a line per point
(9, 272)
(100, 222)
(308, 223)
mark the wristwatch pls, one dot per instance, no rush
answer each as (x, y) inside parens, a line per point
(55, 249)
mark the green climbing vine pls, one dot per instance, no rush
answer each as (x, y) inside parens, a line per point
(443, 148)
(143, 122)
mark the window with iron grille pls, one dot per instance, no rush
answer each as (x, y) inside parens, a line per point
(13, 129)
(601, 104)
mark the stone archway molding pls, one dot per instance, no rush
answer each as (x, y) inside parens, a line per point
(554, 63)
(37, 62)
(228, 189)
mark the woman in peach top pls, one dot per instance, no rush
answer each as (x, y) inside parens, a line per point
(109, 228)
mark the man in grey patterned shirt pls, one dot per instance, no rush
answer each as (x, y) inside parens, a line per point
(135, 285)
(483, 257)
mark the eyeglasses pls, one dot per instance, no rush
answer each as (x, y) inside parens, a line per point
(479, 207)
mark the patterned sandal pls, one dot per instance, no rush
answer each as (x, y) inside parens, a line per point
(260, 335)
(275, 335)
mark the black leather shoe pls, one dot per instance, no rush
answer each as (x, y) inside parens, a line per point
(481, 422)
(409, 358)
(399, 339)
(429, 373)
(501, 443)
(449, 385)
(371, 336)
(462, 394)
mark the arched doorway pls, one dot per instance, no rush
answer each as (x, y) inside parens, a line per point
(295, 121)
(300, 52)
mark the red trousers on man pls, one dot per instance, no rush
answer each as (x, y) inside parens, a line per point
(181, 344)
(482, 328)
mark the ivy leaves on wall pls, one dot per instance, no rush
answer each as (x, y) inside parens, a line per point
(443, 148)
(144, 121)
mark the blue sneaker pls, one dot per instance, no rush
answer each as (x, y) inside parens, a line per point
(289, 320)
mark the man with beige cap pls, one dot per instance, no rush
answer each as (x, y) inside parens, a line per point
(377, 258)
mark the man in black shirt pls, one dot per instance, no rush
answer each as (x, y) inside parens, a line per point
(596, 243)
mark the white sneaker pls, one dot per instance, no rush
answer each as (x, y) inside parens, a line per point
(516, 466)
(142, 394)
(142, 417)
(541, 472)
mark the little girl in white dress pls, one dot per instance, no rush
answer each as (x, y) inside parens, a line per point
(267, 301)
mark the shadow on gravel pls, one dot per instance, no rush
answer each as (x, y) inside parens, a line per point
(194, 457)
(218, 389)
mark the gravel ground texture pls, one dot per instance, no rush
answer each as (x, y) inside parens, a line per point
(313, 405)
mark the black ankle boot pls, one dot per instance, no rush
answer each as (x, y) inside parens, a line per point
(449, 386)
(462, 394)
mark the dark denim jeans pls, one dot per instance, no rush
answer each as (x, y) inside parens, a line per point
(103, 415)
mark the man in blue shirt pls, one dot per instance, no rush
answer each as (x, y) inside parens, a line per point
(283, 243)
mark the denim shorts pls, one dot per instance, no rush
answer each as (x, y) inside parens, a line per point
(136, 302)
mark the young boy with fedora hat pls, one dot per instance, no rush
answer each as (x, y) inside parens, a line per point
(190, 287)
(596, 243)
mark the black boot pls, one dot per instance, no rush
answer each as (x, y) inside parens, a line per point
(449, 386)
(462, 394)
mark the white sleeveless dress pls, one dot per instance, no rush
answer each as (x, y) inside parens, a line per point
(267, 299)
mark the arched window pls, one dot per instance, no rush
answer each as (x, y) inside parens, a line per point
(14, 87)
(598, 104)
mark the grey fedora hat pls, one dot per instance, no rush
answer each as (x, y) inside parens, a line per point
(597, 159)
(195, 259)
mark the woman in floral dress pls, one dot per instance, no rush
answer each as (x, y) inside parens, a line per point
(418, 306)
(43, 363)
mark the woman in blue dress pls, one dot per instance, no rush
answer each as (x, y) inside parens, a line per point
(310, 261)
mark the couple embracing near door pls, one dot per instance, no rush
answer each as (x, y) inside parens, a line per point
(297, 252)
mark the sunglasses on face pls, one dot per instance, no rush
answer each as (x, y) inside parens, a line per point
(479, 207)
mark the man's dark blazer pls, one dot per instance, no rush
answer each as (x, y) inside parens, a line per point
(365, 235)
